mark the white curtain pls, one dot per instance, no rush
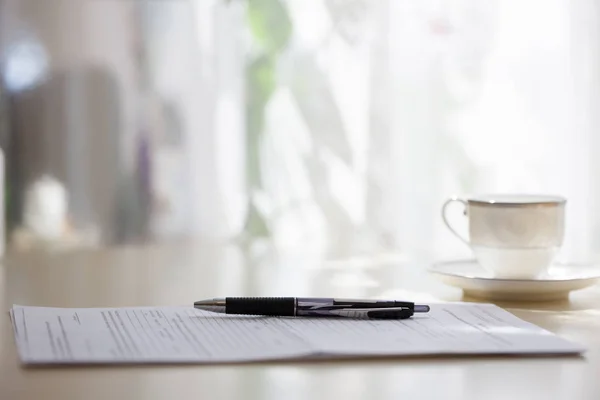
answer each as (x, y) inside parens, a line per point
(372, 112)
(334, 126)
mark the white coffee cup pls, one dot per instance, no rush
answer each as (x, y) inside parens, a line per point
(513, 236)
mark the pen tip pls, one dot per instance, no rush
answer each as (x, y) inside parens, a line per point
(421, 308)
(209, 302)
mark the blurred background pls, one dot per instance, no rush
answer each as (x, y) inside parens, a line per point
(329, 126)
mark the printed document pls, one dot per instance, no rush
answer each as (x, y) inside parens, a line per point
(186, 335)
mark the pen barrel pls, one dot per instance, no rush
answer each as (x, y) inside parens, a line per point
(276, 306)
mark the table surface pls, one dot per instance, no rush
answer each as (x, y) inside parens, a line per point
(180, 274)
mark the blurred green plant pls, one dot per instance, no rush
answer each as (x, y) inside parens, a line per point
(271, 28)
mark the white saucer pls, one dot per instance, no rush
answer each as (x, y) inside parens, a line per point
(554, 285)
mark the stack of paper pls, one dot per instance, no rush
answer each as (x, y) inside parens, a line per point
(185, 335)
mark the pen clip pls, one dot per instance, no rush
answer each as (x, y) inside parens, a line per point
(374, 313)
(362, 307)
(390, 313)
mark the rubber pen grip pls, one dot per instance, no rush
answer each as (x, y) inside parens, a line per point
(277, 306)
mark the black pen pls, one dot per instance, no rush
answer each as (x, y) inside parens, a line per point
(312, 307)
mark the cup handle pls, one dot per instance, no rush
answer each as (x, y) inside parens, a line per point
(444, 217)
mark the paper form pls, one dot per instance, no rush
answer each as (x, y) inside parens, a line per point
(186, 335)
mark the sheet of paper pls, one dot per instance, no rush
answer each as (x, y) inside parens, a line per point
(185, 335)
